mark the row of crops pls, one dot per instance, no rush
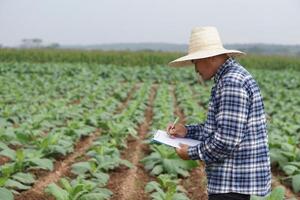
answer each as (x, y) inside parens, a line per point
(47, 109)
(130, 58)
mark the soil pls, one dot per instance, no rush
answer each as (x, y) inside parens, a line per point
(3, 160)
(195, 184)
(61, 168)
(62, 164)
(130, 183)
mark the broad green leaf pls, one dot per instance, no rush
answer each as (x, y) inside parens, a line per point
(8, 169)
(180, 196)
(152, 186)
(277, 157)
(3, 146)
(94, 196)
(16, 185)
(104, 191)
(81, 167)
(253, 197)
(126, 163)
(158, 196)
(79, 194)
(158, 169)
(290, 169)
(57, 192)
(24, 178)
(9, 153)
(59, 149)
(277, 193)
(42, 163)
(78, 190)
(23, 137)
(296, 183)
(5, 194)
(66, 185)
(101, 178)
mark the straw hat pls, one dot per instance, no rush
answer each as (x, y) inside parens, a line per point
(204, 42)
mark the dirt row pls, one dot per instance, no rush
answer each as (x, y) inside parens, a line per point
(130, 183)
(195, 184)
(62, 166)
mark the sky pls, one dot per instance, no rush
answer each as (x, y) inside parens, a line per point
(86, 22)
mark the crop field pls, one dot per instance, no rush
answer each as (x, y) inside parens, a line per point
(82, 130)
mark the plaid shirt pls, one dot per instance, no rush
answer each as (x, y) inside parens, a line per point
(234, 141)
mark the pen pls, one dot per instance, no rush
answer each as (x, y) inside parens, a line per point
(173, 125)
(175, 122)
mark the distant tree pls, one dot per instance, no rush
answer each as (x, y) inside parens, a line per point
(53, 45)
(31, 43)
(37, 42)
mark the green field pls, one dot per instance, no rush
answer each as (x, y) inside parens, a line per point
(75, 124)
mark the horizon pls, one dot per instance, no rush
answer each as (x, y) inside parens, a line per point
(99, 22)
(147, 43)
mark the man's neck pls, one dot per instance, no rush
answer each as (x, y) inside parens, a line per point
(219, 61)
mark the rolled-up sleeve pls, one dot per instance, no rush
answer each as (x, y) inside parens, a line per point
(231, 112)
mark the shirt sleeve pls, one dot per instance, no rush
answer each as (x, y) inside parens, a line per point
(194, 131)
(232, 104)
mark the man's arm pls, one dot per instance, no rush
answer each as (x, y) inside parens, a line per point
(195, 131)
(231, 117)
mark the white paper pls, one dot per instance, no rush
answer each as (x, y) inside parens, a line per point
(162, 137)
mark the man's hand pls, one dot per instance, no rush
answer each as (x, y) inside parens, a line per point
(183, 151)
(178, 130)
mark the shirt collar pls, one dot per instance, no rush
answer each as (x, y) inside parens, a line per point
(223, 68)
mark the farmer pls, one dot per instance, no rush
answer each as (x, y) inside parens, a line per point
(234, 141)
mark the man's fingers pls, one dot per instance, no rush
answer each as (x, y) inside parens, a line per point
(169, 127)
(181, 145)
(171, 133)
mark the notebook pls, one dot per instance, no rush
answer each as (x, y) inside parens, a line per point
(163, 138)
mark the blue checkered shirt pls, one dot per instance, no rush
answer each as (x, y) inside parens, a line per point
(234, 141)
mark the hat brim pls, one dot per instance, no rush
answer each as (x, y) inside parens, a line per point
(186, 60)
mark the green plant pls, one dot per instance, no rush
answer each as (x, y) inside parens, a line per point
(6, 194)
(164, 159)
(78, 189)
(276, 194)
(166, 189)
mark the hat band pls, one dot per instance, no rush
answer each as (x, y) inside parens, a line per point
(196, 48)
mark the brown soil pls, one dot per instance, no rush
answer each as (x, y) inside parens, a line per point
(74, 102)
(62, 165)
(61, 168)
(130, 183)
(3, 160)
(195, 184)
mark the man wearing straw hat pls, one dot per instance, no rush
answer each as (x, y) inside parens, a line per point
(234, 141)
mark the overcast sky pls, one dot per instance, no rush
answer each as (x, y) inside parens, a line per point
(122, 21)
